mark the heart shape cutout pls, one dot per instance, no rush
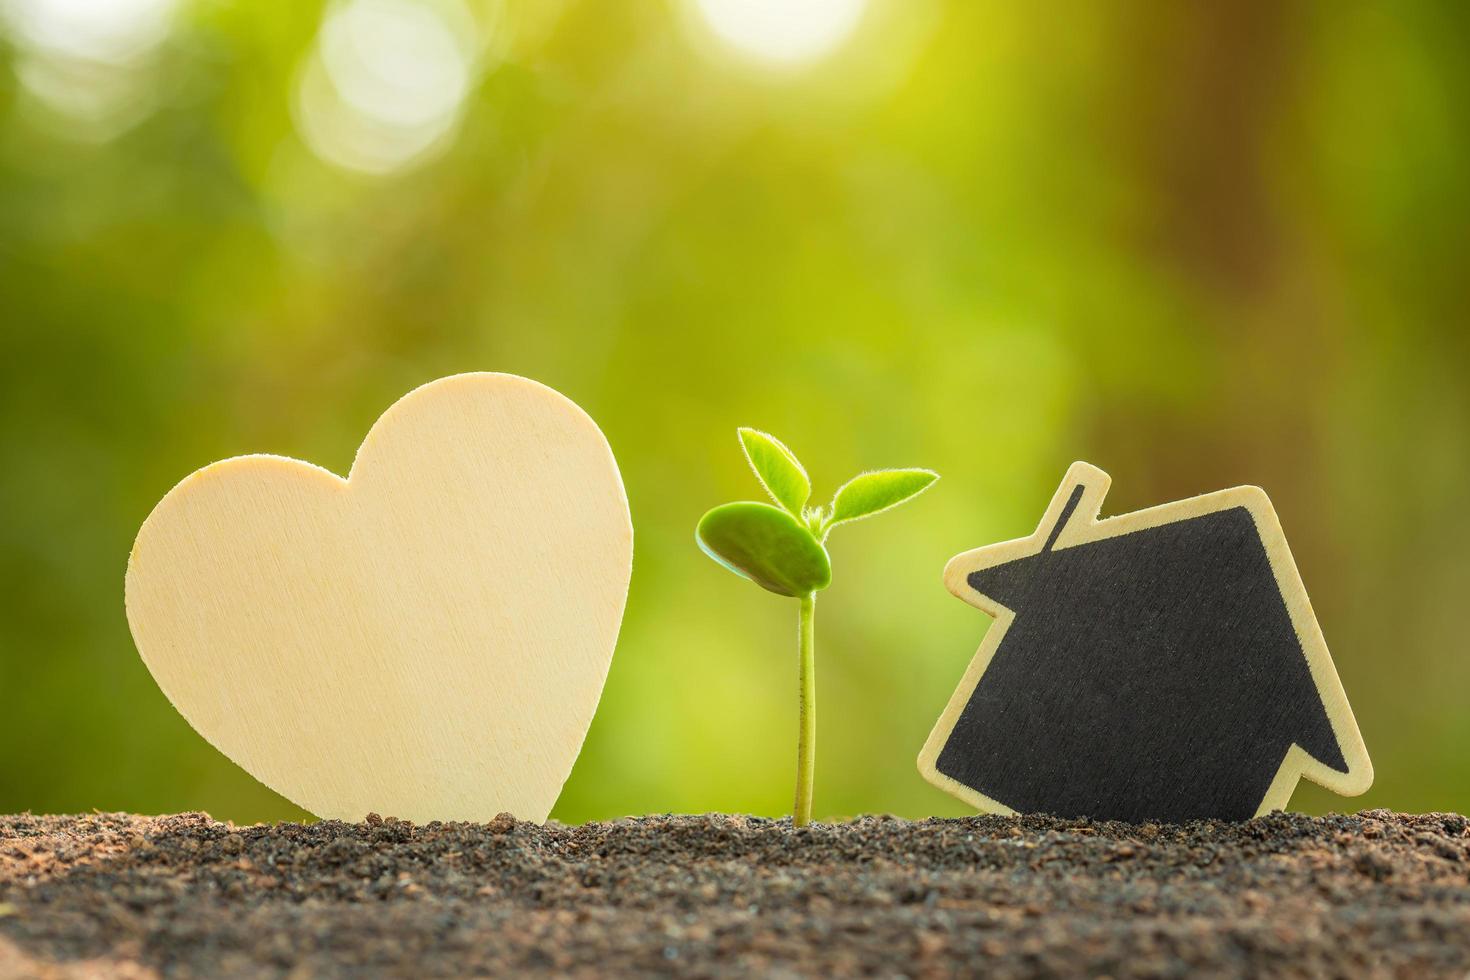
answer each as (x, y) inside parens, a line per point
(427, 638)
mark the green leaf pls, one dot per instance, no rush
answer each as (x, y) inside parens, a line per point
(766, 545)
(778, 469)
(871, 493)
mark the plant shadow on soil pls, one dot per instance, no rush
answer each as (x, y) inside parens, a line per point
(120, 895)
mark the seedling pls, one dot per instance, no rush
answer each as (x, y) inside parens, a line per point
(782, 549)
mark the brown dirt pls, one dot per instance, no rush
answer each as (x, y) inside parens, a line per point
(1377, 894)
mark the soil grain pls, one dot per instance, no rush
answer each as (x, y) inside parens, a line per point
(116, 895)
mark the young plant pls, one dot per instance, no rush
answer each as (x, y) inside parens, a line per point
(782, 549)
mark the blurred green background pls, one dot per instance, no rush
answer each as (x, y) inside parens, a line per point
(1197, 245)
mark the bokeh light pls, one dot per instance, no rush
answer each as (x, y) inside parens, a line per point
(386, 82)
(93, 30)
(88, 61)
(782, 32)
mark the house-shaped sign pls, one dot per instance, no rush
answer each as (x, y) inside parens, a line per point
(1160, 665)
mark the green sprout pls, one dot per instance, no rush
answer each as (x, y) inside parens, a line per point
(782, 549)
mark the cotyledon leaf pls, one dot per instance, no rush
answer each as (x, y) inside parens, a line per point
(766, 545)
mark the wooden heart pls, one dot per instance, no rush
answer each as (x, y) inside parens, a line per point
(427, 638)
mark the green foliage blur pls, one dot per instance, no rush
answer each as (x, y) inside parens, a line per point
(1199, 245)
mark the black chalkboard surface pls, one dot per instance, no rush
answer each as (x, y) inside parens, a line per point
(1161, 665)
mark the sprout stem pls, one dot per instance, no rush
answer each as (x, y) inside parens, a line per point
(806, 738)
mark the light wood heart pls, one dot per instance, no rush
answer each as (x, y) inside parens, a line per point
(427, 638)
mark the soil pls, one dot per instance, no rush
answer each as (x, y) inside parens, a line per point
(1377, 894)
